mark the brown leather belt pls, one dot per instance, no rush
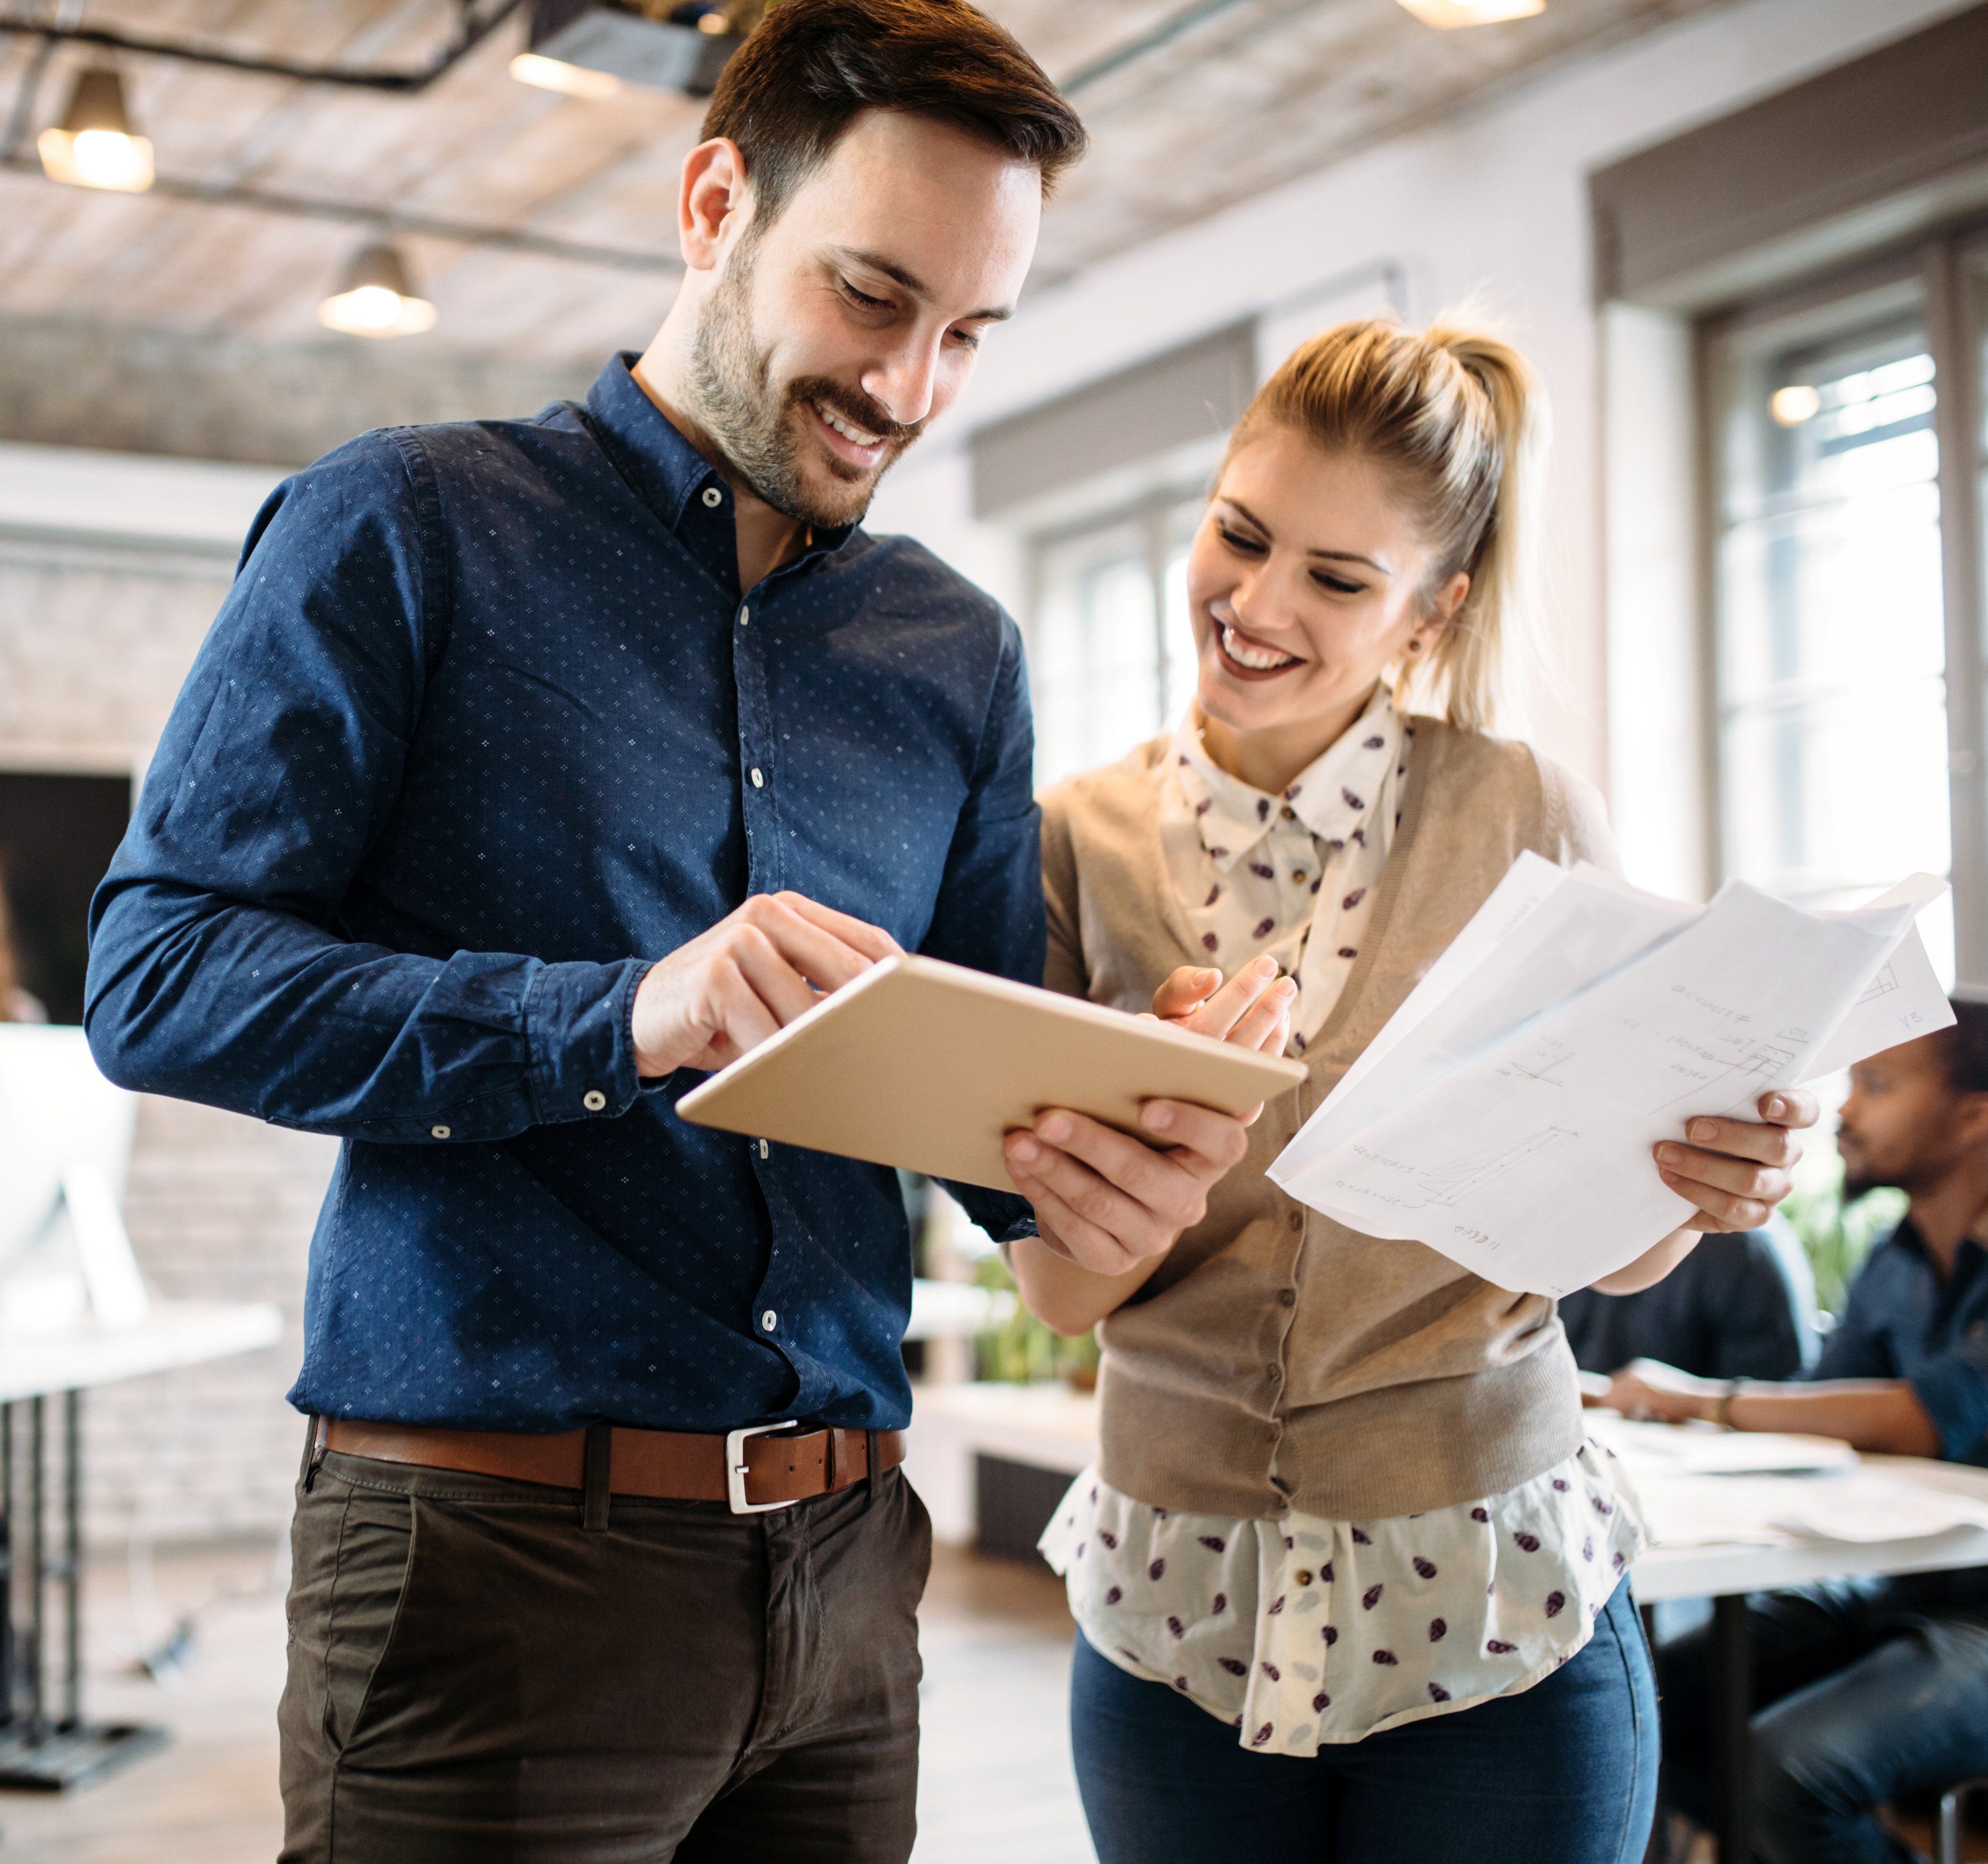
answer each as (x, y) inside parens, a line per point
(762, 1467)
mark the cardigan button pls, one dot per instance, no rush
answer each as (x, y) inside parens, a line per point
(1274, 1374)
(1287, 1297)
(1295, 1220)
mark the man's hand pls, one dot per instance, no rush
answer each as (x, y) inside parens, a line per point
(1253, 1010)
(1109, 1203)
(1736, 1171)
(750, 975)
(1649, 1389)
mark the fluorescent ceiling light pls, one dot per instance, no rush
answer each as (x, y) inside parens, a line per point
(375, 298)
(556, 74)
(1445, 14)
(95, 147)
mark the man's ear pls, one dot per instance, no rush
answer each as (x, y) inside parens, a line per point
(1971, 1112)
(714, 202)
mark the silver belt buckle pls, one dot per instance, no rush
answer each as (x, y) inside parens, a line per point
(734, 1469)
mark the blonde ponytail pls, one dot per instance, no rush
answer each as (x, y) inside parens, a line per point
(1457, 420)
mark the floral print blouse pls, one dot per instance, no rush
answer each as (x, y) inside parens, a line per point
(1303, 1632)
(1292, 875)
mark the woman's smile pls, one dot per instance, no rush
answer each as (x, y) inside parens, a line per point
(1248, 658)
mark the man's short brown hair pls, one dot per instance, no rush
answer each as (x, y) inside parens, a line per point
(813, 66)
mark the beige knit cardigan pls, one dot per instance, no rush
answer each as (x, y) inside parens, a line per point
(1278, 1360)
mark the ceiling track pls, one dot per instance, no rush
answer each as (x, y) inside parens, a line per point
(407, 81)
(420, 226)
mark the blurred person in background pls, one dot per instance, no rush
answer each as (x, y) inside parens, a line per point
(533, 769)
(17, 1004)
(1741, 1305)
(1347, 1573)
(1867, 1689)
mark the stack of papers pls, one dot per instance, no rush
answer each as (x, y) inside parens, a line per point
(1648, 1450)
(1861, 1506)
(1505, 1114)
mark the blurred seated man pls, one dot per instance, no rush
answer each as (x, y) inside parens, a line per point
(1868, 1689)
(1741, 1305)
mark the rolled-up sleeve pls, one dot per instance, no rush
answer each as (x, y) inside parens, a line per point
(1953, 1387)
(219, 970)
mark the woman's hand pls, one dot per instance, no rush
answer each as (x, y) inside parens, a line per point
(1736, 1171)
(1253, 1010)
(1108, 1202)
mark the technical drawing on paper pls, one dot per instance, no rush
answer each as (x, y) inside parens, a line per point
(1881, 985)
(1447, 1185)
(1541, 1062)
(1765, 1063)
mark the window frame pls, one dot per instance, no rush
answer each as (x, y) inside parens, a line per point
(1947, 270)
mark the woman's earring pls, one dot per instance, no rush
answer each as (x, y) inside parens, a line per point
(1415, 645)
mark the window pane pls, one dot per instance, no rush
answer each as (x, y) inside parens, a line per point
(1831, 643)
(1095, 674)
(1112, 656)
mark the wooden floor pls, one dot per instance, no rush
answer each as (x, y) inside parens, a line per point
(995, 1781)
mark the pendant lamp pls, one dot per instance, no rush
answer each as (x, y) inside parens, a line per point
(377, 297)
(1445, 14)
(95, 147)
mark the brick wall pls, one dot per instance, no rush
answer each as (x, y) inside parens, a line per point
(220, 1208)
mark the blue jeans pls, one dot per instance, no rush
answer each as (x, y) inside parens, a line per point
(1864, 1690)
(1566, 1770)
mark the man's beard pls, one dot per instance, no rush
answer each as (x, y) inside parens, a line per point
(757, 428)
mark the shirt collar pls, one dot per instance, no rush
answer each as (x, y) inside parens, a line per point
(668, 474)
(1332, 795)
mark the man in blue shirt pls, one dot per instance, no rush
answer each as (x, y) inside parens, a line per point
(1874, 1689)
(531, 769)
(1741, 1305)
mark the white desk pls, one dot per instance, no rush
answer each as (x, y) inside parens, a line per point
(173, 1333)
(41, 1752)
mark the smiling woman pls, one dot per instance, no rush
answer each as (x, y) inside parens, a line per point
(1347, 1574)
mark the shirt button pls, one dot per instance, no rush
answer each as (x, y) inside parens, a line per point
(1303, 1575)
(759, 781)
(1299, 877)
(745, 615)
(1287, 1297)
(594, 1100)
(1295, 1220)
(1288, 813)
(769, 1320)
(438, 1132)
(713, 497)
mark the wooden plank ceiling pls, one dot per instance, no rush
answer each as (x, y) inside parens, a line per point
(1251, 93)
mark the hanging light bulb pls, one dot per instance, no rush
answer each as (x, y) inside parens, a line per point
(556, 74)
(376, 297)
(1448, 13)
(95, 147)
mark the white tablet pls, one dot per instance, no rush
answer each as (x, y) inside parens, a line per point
(926, 1065)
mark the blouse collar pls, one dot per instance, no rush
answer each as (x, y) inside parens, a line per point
(1331, 795)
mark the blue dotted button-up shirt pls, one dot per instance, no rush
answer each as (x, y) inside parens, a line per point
(485, 726)
(1902, 1321)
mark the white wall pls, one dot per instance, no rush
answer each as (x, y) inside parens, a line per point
(1493, 201)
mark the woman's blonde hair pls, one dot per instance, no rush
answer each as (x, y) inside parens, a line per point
(1456, 419)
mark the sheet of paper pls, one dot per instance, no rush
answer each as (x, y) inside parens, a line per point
(1871, 1505)
(1649, 1451)
(1508, 1123)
